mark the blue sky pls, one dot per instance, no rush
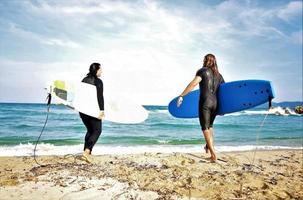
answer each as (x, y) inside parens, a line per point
(149, 50)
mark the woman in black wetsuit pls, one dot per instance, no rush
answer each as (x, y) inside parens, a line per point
(93, 125)
(209, 80)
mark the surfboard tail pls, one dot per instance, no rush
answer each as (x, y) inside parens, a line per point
(271, 96)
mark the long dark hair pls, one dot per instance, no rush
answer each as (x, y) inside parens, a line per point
(211, 62)
(93, 68)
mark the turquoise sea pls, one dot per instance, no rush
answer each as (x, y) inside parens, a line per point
(20, 125)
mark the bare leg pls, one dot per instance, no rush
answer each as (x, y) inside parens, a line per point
(212, 136)
(212, 140)
(209, 142)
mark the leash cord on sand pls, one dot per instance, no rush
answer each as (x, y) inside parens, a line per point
(75, 156)
(257, 138)
(49, 97)
(257, 142)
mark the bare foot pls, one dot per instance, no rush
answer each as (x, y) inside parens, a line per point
(87, 158)
(213, 158)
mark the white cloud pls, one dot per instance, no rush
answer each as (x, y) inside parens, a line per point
(81, 7)
(291, 11)
(59, 42)
(20, 32)
(147, 49)
(149, 84)
(148, 21)
(247, 20)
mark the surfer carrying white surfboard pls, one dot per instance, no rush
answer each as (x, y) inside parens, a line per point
(209, 80)
(92, 124)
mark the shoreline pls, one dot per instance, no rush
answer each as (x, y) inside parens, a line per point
(46, 149)
(273, 174)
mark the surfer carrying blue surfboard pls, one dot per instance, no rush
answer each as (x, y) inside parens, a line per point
(209, 80)
(92, 124)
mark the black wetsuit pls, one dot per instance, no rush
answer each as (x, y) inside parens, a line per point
(208, 96)
(93, 125)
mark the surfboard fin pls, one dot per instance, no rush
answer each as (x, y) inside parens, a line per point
(269, 102)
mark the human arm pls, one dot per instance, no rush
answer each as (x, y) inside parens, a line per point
(101, 115)
(100, 98)
(189, 88)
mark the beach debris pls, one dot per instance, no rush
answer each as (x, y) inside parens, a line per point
(180, 175)
(265, 186)
(273, 181)
(10, 181)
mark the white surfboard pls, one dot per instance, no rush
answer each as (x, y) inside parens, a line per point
(82, 97)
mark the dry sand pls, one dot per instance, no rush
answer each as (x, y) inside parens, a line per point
(271, 175)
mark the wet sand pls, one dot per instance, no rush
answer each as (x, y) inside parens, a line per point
(270, 175)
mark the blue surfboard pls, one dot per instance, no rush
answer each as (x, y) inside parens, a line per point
(232, 97)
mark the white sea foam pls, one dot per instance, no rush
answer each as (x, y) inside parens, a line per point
(158, 111)
(50, 149)
(272, 111)
(251, 147)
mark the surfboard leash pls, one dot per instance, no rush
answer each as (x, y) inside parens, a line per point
(258, 138)
(49, 99)
(259, 130)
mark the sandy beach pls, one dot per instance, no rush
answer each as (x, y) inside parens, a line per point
(238, 175)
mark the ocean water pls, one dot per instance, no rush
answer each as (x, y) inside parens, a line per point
(20, 126)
